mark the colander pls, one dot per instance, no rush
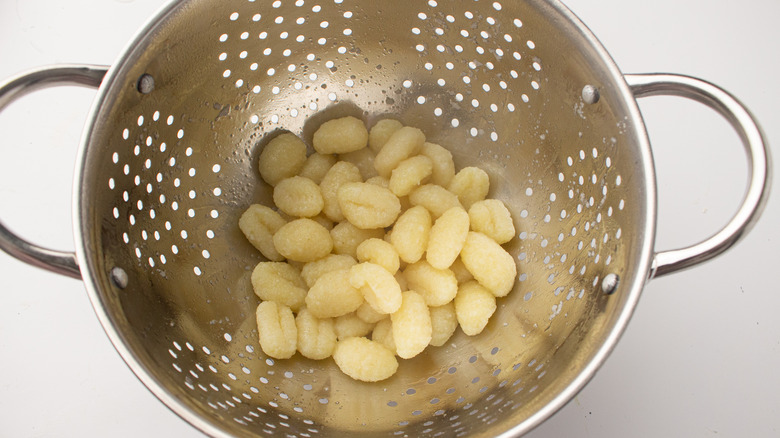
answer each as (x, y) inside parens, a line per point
(521, 89)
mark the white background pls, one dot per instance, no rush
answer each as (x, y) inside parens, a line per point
(699, 359)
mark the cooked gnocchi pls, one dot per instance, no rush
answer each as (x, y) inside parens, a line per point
(298, 196)
(364, 360)
(333, 295)
(376, 247)
(259, 224)
(316, 336)
(411, 325)
(303, 240)
(339, 136)
(276, 329)
(410, 234)
(281, 158)
(447, 236)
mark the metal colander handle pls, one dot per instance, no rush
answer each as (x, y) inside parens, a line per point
(759, 170)
(61, 262)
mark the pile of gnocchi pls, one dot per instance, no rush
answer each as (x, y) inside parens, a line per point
(376, 247)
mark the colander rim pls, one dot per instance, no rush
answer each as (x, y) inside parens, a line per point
(642, 268)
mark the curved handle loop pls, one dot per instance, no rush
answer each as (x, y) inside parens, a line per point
(61, 262)
(759, 171)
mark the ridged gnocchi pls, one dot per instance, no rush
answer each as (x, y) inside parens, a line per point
(377, 247)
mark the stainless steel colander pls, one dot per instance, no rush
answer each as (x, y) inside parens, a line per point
(521, 89)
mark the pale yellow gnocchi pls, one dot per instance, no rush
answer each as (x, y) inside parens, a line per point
(368, 314)
(444, 322)
(368, 206)
(410, 174)
(404, 143)
(333, 295)
(411, 325)
(489, 263)
(316, 166)
(303, 240)
(276, 330)
(338, 175)
(283, 157)
(474, 305)
(378, 286)
(316, 336)
(298, 196)
(347, 238)
(470, 184)
(279, 282)
(339, 136)
(382, 239)
(410, 234)
(381, 132)
(259, 224)
(437, 286)
(379, 252)
(443, 165)
(350, 325)
(447, 236)
(363, 159)
(436, 199)
(383, 333)
(491, 218)
(364, 360)
(312, 271)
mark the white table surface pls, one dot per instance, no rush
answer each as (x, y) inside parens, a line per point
(699, 359)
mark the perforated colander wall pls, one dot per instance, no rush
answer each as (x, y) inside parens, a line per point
(491, 81)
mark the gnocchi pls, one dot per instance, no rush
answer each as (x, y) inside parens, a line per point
(470, 185)
(381, 132)
(443, 166)
(364, 360)
(316, 166)
(411, 325)
(316, 336)
(436, 199)
(298, 196)
(333, 295)
(447, 236)
(379, 252)
(380, 289)
(410, 234)
(279, 282)
(491, 218)
(347, 238)
(350, 325)
(489, 263)
(314, 270)
(339, 136)
(444, 322)
(303, 240)
(383, 333)
(474, 305)
(281, 158)
(259, 224)
(410, 174)
(338, 175)
(374, 235)
(437, 286)
(404, 143)
(276, 330)
(368, 206)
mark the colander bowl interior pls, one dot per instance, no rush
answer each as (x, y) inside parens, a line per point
(169, 162)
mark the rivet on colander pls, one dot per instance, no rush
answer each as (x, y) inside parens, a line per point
(590, 94)
(119, 277)
(609, 284)
(145, 83)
